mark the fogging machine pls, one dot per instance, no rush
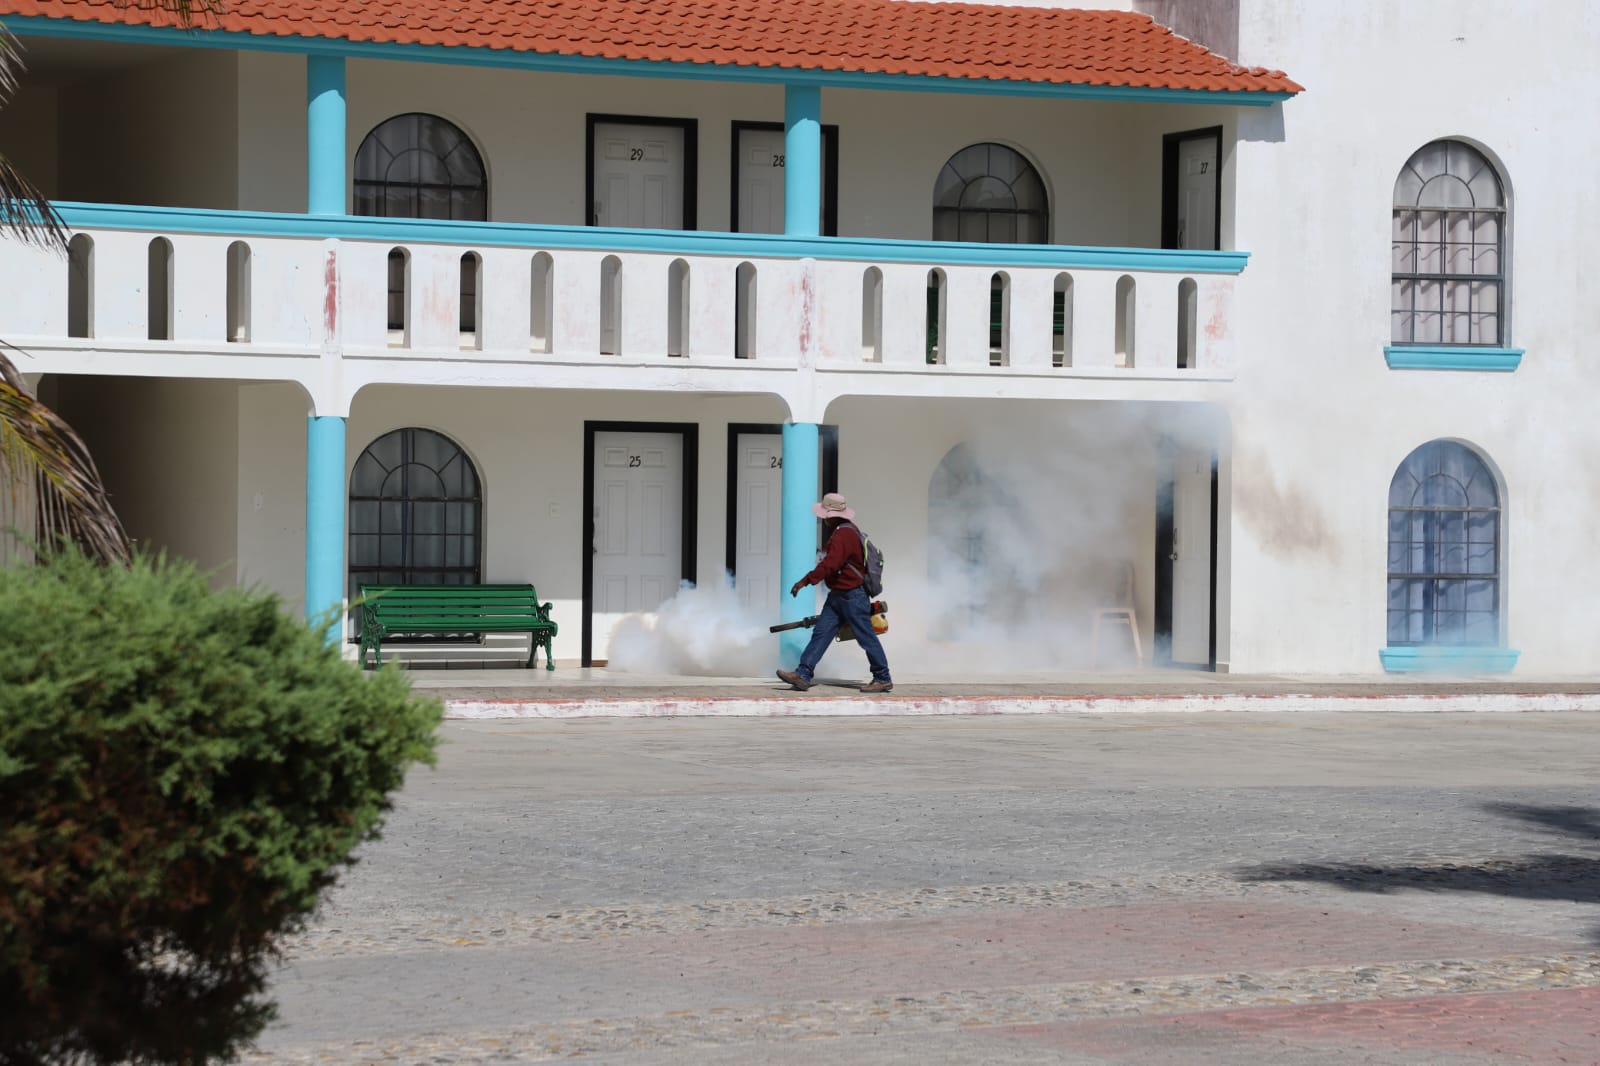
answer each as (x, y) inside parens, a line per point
(880, 623)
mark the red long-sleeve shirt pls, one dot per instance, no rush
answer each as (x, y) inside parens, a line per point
(836, 570)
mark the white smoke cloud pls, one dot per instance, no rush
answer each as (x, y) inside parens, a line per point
(1034, 529)
(703, 631)
(1029, 530)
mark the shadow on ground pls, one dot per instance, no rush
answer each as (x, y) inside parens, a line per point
(1562, 876)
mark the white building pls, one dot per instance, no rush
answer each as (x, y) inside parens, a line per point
(1065, 299)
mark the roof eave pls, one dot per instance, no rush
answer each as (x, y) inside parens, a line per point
(457, 55)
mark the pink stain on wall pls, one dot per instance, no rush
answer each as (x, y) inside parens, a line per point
(330, 296)
(805, 314)
(439, 307)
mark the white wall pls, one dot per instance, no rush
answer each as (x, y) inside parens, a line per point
(166, 450)
(270, 459)
(160, 134)
(1321, 422)
(1211, 23)
(1101, 162)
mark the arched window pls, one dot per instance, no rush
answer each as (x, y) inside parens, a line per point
(415, 513)
(1450, 274)
(990, 194)
(1444, 548)
(422, 166)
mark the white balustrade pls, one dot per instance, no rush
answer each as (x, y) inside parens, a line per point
(274, 295)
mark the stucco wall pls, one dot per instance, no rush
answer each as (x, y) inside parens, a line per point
(1321, 422)
(1101, 162)
(161, 134)
(166, 450)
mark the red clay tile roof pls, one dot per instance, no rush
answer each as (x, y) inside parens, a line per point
(949, 40)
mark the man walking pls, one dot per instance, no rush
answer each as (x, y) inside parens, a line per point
(843, 569)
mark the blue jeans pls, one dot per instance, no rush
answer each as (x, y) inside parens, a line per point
(854, 608)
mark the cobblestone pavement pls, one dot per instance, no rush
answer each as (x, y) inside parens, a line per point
(1250, 889)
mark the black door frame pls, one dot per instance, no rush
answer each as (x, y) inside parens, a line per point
(1169, 183)
(830, 174)
(1166, 532)
(690, 432)
(828, 476)
(691, 160)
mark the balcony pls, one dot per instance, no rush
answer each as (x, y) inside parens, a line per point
(234, 294)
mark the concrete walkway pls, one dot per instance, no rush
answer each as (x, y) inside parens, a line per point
(571, 692)
(1137, 890)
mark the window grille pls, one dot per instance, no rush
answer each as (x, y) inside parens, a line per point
(1444, 549)
(990, 194)
(422, 166)
(416, 509)
(1449, 281)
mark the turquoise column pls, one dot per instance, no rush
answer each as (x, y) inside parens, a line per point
(799, 545)
(325, 135)
(802, 162)
(325, 436)
(802, 217)
(325, 502)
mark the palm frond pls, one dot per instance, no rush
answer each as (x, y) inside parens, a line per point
(49, 473)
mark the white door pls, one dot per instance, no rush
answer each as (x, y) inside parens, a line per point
(1197, 193)
(638, 528)
(758, 492)
(638, 176)
(761, 170)
(1191, 557)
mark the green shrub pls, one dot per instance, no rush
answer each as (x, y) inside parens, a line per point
(182, 772)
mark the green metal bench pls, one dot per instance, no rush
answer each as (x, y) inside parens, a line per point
(393, 610)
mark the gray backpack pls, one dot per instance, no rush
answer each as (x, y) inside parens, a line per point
(872, 576)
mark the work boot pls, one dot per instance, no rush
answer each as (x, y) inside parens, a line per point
(875, 687)
(793, 680)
